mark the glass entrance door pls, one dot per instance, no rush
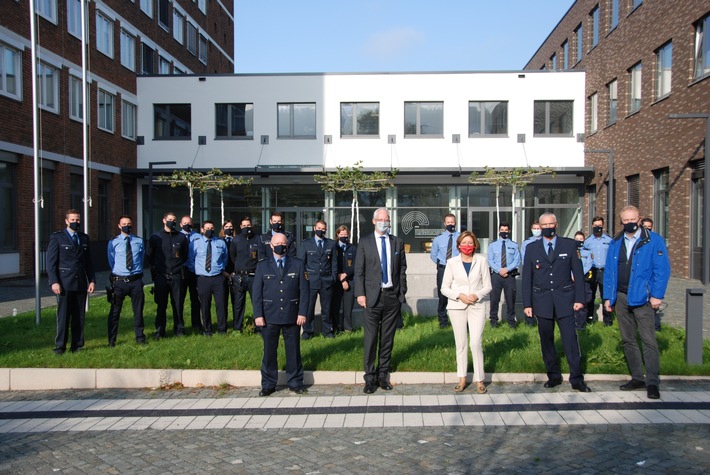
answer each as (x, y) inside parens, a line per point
(484, 224)
(301, 221)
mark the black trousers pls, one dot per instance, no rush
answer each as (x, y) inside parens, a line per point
(598, 282)
(121, 290)
(326, 296)
(241, 284)
(70, 314)
(380, 324)
(208, 286)
(507, 286)
(189, 284)
(443, 299)
(269, 364)
(345, 300)
(570, 344)
(168, 286)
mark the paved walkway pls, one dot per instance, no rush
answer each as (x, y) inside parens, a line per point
(519, 428)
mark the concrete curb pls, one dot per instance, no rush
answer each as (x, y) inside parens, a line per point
(42, 379)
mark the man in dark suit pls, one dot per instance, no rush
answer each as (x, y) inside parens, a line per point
(343, 294)
(276, 221)
(71, 276)
(380, 286)
(553, 289)
(280, 301)
(319, 256)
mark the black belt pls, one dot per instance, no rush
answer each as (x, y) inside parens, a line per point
(386, 289)
(125, 278)
(244, 272)
(440, 265)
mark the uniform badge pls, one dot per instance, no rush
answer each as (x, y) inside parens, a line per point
(306, 275)
(350, 262)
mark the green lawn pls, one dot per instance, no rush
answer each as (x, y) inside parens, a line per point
(420, 346)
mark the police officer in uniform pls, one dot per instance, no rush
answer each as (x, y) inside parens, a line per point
(208, 255)
(280, 302)
(343, 294)
(227, 234)
(244, 254)
(277, 226)
(189, 282)
(166, 253)
(444, 248)
(598, 246)
(580, 316)
(319, 256)
(71, 276)
(125, 258)
(504, 260)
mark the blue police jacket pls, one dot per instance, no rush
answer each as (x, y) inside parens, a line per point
(117, 255)
(650, 269)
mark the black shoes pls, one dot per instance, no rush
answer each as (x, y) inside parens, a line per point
(551, 383)
(266, 392)
(386, 385)
(299, 390)
(305, 336)
(652, 392)
(370, 388)
(633, 384)
(494, 324)
(581, 387)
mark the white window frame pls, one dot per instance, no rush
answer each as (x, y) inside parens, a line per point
(163, 65)
(701, 48)
(43, 83)
(178, 26)
(635, 88)
(147, 7)
(128, 119)
(191, 32)
(47, 9)
(128, 50)
(106, 114)
(202, 5)
(613, 93)
(593, 112)
(104, 34)
(165, 26)
(178, 70)
(17, 65)
(74, 18)
(203, 50)
(664, 70)
(76, 108)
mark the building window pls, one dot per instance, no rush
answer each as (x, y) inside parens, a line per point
(128, 50)
(702, 48)
(163, 65)
(47, 9)
(178, 27)
(553, 62)
(613, 14)
(553, 118)
(148, 59)
(74, 17)
(76, 104)
(106, 114)
(579, 34)
(76, 192)
(633, 190)
(661, 201)
(8, 187)
(104, 35)
(177, 70)
(202, 5)
(203, 50)
(565, 55)
(422, 119)
(594, 23)
(635, 88)
(664, 60)
(191, 32)
(164, 14)
(10, 72)
(635, 4)
(613, 101)
(297, 121)
(487, 118)
(48, 87)
(359, 119)
(234, 120)
(172, 121)
(147, 7)
(128, 120)
(593, 111)
(105, 227)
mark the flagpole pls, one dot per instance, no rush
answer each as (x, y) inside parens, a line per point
(85, 111)
(35, 144)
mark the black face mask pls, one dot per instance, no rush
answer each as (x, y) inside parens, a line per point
(126, 229)
(597, 230)
(504, 235)
(171, 225)
(580, 244)
(280, 250)
(343, 239)
(630, 228)
(187, 227)
(246, 231)
(549, 232)
(319, 232)
(209, 234)
(228, 232)
(451, 228)
(276, 227)
(74, 226)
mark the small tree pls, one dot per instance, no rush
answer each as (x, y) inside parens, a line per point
(189, 178)
(217, 180)
(355, 180)
(517, 178)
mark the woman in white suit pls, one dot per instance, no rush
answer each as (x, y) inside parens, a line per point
(467, 283)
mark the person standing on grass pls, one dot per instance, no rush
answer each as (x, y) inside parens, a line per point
(244, 252)
(444, 248)
(504, 260)
(344, 296)
(208, 256)
(466, 284)
(71, 277)
(637, 273)
(598, 246)
(125, 258)
(580, 316)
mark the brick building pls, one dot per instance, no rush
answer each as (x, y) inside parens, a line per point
(126, 38)
(644, 60)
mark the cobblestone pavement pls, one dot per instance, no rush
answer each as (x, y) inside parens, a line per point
(515, 428)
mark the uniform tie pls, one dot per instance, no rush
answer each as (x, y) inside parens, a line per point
(208, 259)
(449, 247)
(385, 279)
(549, 250)
(75, 238)
(129, 255)
(503, 256)
(281, 267)
(320, 245)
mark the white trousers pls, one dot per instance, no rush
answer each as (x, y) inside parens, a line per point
(470, 320)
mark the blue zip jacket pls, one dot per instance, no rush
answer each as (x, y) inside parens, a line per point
(650, 270)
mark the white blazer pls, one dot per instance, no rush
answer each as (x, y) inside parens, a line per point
(456, 282)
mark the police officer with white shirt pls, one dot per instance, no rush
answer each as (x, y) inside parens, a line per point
(208, 254)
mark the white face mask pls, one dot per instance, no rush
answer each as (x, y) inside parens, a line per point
(537, 232)
(382, 227)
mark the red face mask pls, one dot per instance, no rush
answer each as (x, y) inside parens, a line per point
(467, 250)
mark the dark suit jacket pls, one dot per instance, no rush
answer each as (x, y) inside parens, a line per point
(322, 266)
(346, 260)
(280, 300)
(67, 265)
(547, 284)
(368, 273)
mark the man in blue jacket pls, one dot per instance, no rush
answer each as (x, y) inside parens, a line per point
(637, 272)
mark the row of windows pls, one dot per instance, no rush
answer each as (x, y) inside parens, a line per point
(362, 119)
(660, 201)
